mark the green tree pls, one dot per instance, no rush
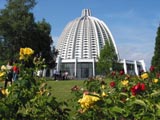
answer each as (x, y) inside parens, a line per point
(44, 39)
(16, 22)
(156, 57)
(107, 59)
(19, 29)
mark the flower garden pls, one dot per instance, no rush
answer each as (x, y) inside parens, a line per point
(119, 97)
(123, 98)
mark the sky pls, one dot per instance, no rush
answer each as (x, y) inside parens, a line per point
(133, 23)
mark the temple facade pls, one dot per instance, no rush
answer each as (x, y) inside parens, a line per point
(79, 47)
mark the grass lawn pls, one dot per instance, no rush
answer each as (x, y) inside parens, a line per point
(62, 89)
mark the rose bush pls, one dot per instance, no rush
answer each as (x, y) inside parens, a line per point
(123, 97)
(29, 97)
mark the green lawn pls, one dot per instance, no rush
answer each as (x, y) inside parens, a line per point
(62, 92)
(62, 89)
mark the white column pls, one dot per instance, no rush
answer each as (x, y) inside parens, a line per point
(135, 68)
(93, 67)
(58, 63)
(143, 65)
(125, 66)
(75, 68)
(44, 71)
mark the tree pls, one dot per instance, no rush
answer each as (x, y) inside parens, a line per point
(156, 57)
(16, 21)
(44, 39)
(108, 58)
(19, 29)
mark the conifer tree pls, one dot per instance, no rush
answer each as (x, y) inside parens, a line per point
(156, 57)
(108, 58)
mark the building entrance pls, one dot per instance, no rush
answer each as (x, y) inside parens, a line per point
(84, 73)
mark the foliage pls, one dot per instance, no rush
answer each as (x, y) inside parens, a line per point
(108, 58)
(156, 56)
(29, 97)
(123, 98)
(19, 29)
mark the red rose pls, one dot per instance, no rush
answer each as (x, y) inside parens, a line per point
(121, 72)
(75, 88)
(133, 91)
(113, 73)
(112, 84)
(138, 88)
(143, 87)
(158, 75)
(152, 68)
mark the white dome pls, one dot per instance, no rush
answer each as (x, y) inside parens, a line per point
(84, 37)
(79, 46)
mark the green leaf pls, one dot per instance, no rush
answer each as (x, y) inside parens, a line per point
(117, 109)
(109, 101)
(158, 106)
(148, 118)
(139, 102)
(123, 94)
(158, 113)
(155, 94)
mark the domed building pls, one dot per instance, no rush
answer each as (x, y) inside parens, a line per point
(80, 43)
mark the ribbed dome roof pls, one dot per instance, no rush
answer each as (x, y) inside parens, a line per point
(84, 37)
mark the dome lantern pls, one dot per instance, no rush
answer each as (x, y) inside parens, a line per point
(86, 12)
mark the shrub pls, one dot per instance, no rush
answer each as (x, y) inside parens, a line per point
(122, 98)
(29, 97)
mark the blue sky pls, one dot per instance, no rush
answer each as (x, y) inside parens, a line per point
(133, 23)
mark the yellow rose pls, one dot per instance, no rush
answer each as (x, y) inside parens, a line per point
(155, 80)
(3, 67)
(144, 76)
(21, 57)
(125, 82)
(95, 94)
(2, 74)
(21, 51)
(94, 98)
(88, 101)
(5, 91)
(104, 94)
(103, 87)
(28, 51)
(25, 53)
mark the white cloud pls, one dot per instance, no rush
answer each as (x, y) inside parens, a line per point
(121, 15)
(135, 52)
(134, 35)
